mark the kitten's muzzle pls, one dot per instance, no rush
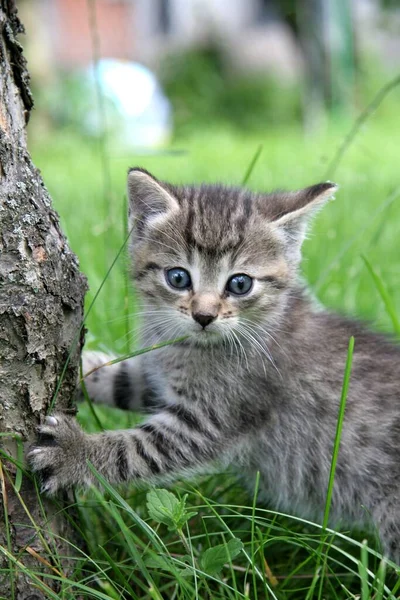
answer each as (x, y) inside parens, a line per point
(204, 319)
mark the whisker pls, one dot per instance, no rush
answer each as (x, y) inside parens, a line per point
(256, 326)
(134, 314)
(262, 343)
(256, 346)
(241, 347)
(176, 250)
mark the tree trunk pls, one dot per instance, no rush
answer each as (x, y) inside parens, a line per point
(41, 300)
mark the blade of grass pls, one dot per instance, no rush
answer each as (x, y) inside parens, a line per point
(134, 552)
(396, 587)
(38, 583)
(19, 461)
(8, 532)
(384, 294)
(212, 507)
(360, 232)
(339, 427)
(43, 561)
(150, 533)
(194, 563)
(117, 571)
(363, 572)
(87, 398)
(136, 353)
(364, 115)
(267, 571)
(307, 541)
(115, 508)
(99, 571)
(336, 445)
(252, 164)
(380, 579)
(126, 282)
(79, 332)
(253, 541)
(36, 529)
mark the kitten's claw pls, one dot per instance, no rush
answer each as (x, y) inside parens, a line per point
(34, 451)
(59, 454)
(50, 486)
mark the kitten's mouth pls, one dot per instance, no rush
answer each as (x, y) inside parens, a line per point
(205, 336)
(207, 332)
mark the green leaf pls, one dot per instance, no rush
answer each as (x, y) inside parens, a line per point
(162, 563)
(214, 558)
(156, 561)
(165, 507)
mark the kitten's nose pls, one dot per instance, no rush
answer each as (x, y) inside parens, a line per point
(204, 318)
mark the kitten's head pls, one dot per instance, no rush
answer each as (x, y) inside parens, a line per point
(211, 261)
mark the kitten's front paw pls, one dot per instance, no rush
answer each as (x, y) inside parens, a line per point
(60, 453)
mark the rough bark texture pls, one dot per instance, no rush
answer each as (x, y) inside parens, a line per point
(41, 299)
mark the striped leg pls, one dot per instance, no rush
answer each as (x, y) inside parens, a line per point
(119, 385)
(177, 439)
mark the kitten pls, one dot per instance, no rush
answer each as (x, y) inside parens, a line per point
(256, 384)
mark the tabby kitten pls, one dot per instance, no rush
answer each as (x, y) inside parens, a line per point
(256, 384)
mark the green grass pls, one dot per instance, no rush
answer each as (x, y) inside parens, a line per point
(127, 552)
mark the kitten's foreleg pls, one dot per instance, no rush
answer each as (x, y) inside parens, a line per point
(119, 385)
(174, 440)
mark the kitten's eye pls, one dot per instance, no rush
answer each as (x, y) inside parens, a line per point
(239, 284)
(178, 278)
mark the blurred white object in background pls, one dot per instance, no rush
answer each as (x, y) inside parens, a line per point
(133, 110)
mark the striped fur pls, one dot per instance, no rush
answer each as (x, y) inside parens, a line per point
(258, 388)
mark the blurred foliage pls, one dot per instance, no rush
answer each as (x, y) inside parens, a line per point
(67, 98)
(204, 90)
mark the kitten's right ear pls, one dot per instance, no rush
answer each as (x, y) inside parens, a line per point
(148, 198)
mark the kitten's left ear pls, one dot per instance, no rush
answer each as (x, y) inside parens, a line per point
(295, 208)
(293, 211)
(149, 199)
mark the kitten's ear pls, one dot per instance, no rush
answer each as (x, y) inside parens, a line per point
(295, 208)
(148, 198)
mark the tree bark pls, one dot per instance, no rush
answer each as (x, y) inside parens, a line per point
(41, 303)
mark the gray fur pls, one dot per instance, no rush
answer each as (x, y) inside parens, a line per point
(258, 388)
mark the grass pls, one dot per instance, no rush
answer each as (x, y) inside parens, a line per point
(228, 547)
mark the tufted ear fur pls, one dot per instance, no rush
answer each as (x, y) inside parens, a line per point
(293, 210)
(149, 199)
(297, 207)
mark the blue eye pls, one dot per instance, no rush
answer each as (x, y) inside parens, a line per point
(239, 284)
(178, 278)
